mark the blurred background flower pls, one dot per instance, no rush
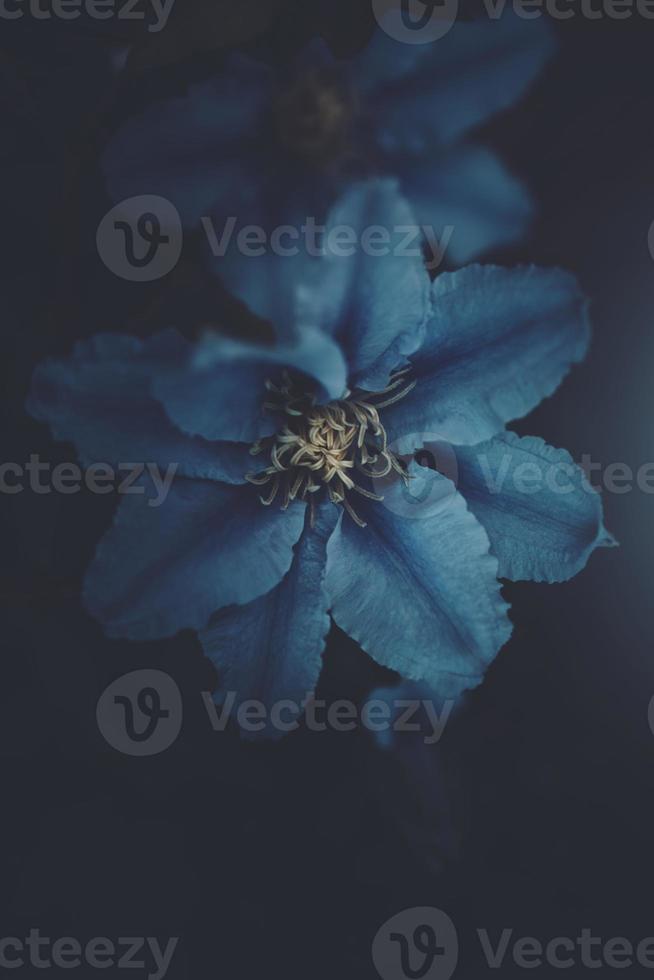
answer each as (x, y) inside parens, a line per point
(275, 144)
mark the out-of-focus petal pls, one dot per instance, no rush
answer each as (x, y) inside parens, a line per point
(468, 203)
(194, 150)
(428, 94)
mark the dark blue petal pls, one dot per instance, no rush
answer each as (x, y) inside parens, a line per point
(434, 94)
(223, 396)
(197, 151)
(100, 400)
(271, 650)
(469, 192)
(543, 518)
(499, 341)
(374, 304)
(163, 569)
(420, 593)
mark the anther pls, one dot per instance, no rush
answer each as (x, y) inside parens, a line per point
(320, 445)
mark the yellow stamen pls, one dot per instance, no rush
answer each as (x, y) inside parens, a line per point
(320, 445)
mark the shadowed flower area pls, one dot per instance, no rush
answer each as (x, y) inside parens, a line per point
(273, 146)
(296, 497)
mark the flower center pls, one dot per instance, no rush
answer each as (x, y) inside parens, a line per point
(313, 116)
(326, 447)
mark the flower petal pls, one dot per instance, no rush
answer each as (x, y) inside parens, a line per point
(543, 518)
(195, 151)
(467, 201)
(433, 93)
(373, 299)
(420, 594)
(271, 650)
(263, 252)
(162, 569)
(499, 341)
(222, 395)
(100, 399)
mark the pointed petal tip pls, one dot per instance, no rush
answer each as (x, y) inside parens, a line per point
(607, 540)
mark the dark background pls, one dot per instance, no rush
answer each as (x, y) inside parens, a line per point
(536, 810)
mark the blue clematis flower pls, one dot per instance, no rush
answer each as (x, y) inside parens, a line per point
(296, 499)
(273, 148)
